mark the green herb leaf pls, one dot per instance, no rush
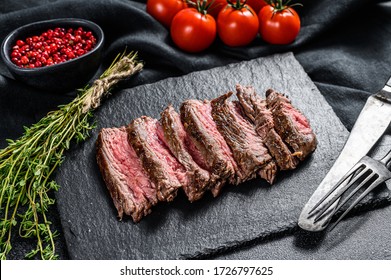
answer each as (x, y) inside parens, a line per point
(27, 163)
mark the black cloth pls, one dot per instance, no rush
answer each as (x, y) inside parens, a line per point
(344, 46)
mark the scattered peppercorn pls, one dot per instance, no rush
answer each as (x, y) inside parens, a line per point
(52, 47)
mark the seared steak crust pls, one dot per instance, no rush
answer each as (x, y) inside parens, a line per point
(207, 145)
(199, 125)
(269, 172)
(129, 186)
(247, 147)
(255, 109)
(291, 124)
(163, 168)
(178, 142)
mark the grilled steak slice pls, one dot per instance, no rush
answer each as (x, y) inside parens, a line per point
(145, 135)
(291, 124)
(255, 108)
(269, 171)
(132, 191)
(247, 147)
(216, 155)
(177, 141)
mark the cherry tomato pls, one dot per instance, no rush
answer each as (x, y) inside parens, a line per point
(193, 31)
(165, 10)
(237, 26)
(257, 5)
(278, 26)
(216, 7)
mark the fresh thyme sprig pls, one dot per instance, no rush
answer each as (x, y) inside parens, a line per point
(27, 164)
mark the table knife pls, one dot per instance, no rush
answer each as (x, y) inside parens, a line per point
(371, 124)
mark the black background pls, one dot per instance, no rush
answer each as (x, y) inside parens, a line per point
(344, 46)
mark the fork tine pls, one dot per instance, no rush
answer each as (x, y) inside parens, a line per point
(353, 176)
(346, 199)
(343, 202)
(368, 190)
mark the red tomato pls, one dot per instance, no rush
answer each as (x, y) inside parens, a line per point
(237, 27)
(278, 26)
(165, 10)
(257, 5)
(193, 31)
(216, 7)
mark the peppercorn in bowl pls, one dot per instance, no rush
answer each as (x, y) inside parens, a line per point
(56, 55)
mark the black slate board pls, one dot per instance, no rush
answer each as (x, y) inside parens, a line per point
(181, 229)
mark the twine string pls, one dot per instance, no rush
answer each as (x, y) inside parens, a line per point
(124, 68)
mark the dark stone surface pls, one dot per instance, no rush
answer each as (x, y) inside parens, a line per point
(362, 237)
(252, 211)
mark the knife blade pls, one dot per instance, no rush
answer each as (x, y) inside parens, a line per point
(369, 127)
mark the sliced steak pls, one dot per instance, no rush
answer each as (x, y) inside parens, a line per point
(269, 171)
(247, 147)
(145, 135)
(130, 187)
(291, 124)
(178, 142)
(214, 153)
(255, 109)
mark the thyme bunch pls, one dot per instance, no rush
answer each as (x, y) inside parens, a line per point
(27, 164)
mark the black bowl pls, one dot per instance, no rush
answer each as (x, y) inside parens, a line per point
(57, 78)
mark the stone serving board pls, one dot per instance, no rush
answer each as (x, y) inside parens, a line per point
(176, 230)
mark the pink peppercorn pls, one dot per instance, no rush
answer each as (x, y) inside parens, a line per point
(52, 47)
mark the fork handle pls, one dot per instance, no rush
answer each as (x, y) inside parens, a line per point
(386, 160)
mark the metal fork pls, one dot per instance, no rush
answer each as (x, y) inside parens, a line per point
(366, 175)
